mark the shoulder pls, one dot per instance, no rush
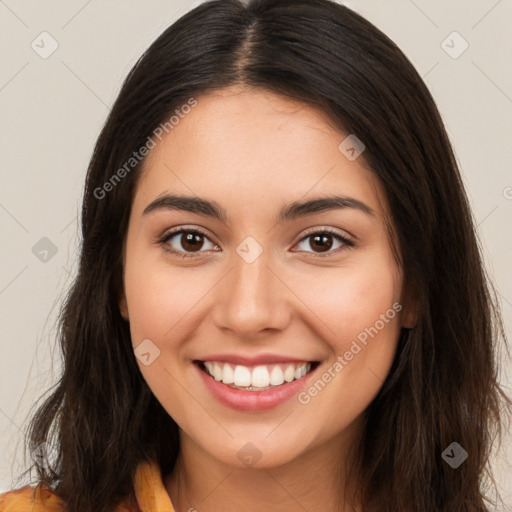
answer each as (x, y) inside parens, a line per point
(38, 499)
(33, 499)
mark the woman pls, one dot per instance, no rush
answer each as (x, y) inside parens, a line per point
(280, 302)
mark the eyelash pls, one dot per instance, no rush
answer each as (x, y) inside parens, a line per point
(164, 239)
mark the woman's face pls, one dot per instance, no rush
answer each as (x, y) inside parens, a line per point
(263, 291)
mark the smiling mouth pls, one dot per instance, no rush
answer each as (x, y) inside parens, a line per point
(257, 377)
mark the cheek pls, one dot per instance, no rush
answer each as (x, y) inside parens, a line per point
(341, 302)
(350, 299)
(358, 312)
(160, 296)
(361, 306)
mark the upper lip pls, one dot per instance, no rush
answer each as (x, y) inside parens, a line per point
(254, 360)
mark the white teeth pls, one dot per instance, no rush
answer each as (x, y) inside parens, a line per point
(242, 376)
(289, 373)
(258, 376)
(276, 376)
(228, 374)
(217, 371)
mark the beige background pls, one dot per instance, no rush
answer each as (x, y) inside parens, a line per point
(52, 110)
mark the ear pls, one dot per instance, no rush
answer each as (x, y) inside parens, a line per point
(123, 306)
(119, 280)
(411, 309)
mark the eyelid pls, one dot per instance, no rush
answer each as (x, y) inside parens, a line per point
(162, 240)
(332, 231)
(346, 239)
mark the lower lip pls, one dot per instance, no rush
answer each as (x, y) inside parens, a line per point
(253, 400)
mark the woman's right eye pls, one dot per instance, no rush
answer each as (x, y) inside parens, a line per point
(188, 239)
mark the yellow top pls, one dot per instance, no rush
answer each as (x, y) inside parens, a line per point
(149, 490)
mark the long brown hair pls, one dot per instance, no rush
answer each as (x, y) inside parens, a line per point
(102, 418)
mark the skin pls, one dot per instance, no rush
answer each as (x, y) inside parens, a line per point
(252, 152)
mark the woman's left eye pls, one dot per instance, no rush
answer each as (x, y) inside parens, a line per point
(191, 242)
(323, 241)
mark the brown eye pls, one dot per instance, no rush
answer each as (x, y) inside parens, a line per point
(191, 241)
(185, 242)
(322, 241)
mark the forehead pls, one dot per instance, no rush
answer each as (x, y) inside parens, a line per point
(252, 147)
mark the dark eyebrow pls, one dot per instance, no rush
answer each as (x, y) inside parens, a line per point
(291, 211)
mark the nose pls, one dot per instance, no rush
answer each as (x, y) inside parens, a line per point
(252, 299)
